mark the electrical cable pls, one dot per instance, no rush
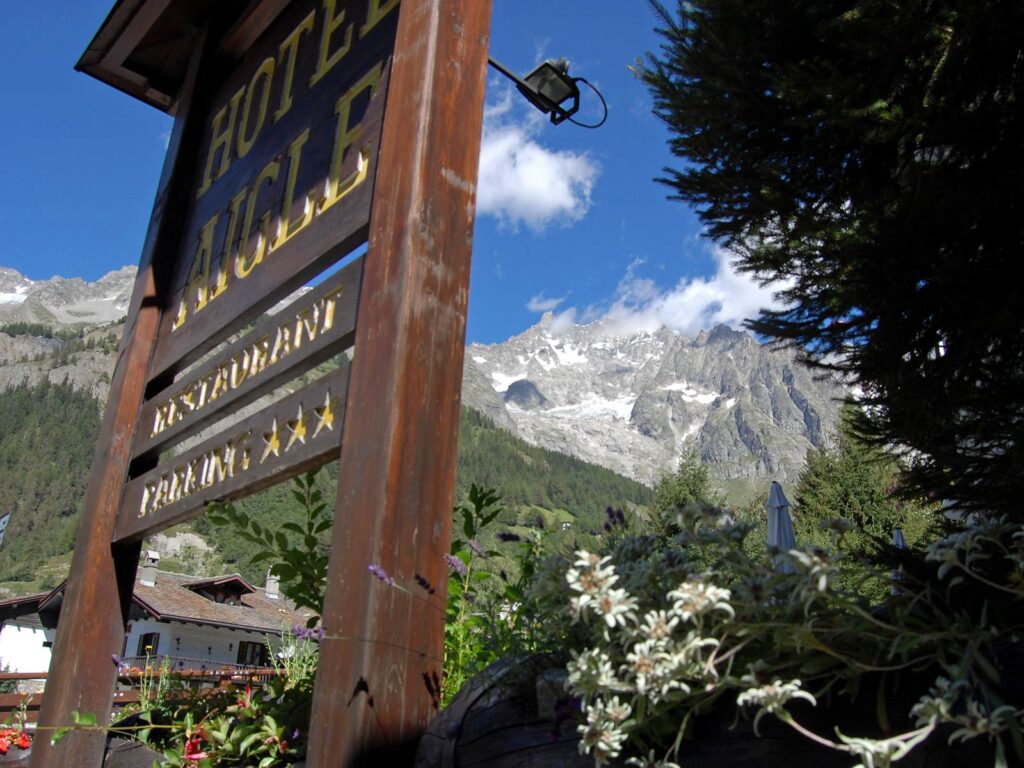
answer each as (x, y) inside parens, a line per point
(604, 104)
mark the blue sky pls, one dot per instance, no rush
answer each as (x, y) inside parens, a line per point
(568, 219)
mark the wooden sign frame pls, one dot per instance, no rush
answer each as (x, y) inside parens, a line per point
(400, 431)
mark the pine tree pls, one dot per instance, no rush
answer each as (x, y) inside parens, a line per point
(689, 484)
(871, 153)
(852, 480)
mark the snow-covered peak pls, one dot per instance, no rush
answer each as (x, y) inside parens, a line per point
(65, 301)
(637, 402)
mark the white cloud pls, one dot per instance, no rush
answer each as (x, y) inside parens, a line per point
(562, 322)
(692, 305)
(542, 303)
(523, 182)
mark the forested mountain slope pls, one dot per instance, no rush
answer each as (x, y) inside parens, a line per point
(48, 433)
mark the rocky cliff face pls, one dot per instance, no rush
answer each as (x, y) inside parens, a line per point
(634, 404)
(637, 403)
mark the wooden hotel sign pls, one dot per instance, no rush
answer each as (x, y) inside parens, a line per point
(284, 172)
(304, 129)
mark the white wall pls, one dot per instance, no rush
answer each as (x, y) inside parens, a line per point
(21, 647)
(211, 645)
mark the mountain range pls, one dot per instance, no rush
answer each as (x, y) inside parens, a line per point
(636, 403)
(632, 402)
(65, 301)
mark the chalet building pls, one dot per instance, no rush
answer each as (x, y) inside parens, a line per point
(195, 623)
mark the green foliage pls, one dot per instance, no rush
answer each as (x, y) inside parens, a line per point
(47, 438)
(526, 475)
(7, 686)
(298, 551)
(856, 481)
(846, 500)
(677, 625)
(868, 152)
(689, 484)
(465, 653)
(42, 331)
(494, 609)
(263, 726)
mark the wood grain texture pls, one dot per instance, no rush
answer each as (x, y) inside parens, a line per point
(253, 188)
(371, 703)
(276, 350)
(297, 433)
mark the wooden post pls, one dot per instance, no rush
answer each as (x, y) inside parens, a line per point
(380, 662)
(82, 675)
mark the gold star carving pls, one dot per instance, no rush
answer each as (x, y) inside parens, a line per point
(272, 441)
(297, 427)
(325, 416)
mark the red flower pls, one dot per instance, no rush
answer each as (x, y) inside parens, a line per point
(282, 745)
(246, 700)
(23, 742)
(193, 751)
(4, 745)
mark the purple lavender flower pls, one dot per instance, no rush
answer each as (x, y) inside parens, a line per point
(425, 584)
(475, 546)
(381, 574)
(615, 517)
(508, 536)
(456, 564)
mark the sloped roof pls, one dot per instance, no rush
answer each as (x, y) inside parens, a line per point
(232, 580)
(13, 607)
(172, 599)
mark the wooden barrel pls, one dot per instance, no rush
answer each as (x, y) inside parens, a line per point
(505, 717)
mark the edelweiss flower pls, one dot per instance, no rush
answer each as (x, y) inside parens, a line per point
(591, 673)
(772, 697)
(647, 664)
(616, 606)
(937, 704)
(881, 753)
(816, 567)
(602, 735)
(658, 625)
(687, 658)
(978, 721)
(946, 553)
(692, 599)
(590, 575)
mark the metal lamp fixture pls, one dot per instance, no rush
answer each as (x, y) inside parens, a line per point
(551, 90)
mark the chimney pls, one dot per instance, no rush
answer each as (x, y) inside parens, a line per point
(273, 588)
(150, 561)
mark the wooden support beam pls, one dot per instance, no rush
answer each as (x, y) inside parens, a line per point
(82, 676)
(382, 653)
